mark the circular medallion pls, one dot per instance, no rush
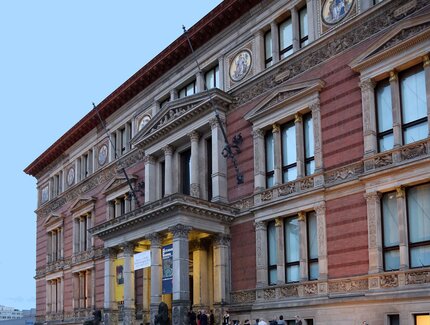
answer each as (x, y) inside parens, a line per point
(144, 121)
(103, 150)
(240, 65)
(70, 176)
(333, 11)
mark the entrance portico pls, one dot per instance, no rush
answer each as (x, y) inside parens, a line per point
(199, 233)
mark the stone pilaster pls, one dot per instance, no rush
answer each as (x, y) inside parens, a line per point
(277, 150)
(221, 69)
(316, 123)
(374, 230)
(200, 82)
(150, 179)
(156, 274)
(261, 253)
(426, 65)
(219, 163)
(129, 294)
(395, 102)
(110, 316)
(195, 184)
(259, 50)
(221, 244)
(275, 41)
(300, 145)
(296, 29)
(369, 117)
(312, 19)
(280, 267)
(322, 242)
(403, 222)
(168, 170)
(259, 160)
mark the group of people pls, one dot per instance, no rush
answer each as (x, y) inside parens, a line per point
(201, 318)
(259, 321)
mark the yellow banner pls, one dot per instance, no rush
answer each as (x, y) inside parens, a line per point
(119, 280)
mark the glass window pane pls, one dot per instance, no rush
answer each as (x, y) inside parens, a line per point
(418, 202)
(392, 260)
(386, 142)
(190, 89)
(182, 93)
(273, 251)
(273, 277)
(210, 79)
(393, 320)
(290, 174)
(270, 153)
(292, 243)
(289, 155)
(384, 107)
(310, 167)
(303, 25)
(268, 45)
(293, 273)
(390, 220)
(422, 319)
(270, 181)
(420, 256)
(413, 93)
(312, 235)
(309, 136)
(286, 36)
(415, 132)
(313, 271)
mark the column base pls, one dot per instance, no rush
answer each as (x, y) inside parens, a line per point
(110, 317)
(153, 310)
(219, 309)
(129, 316)
(180, 310)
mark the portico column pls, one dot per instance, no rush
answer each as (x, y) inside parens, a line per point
(374, 230)
(219, 163)
(369, 117)
(168, 171)
(280, 267)
(426, 65)
(259, 160)
(275, 41)
(149, 179)
(221, 273)
(300, 153)
(110, 316)
(156, 274)
(296, 29)
(146, 299)
(194, 181)
(200, 274)
(129, 300)
(261, 253)
(322, 241)
(276, 130)
(403, 234)
(181, 286)
(395, 102)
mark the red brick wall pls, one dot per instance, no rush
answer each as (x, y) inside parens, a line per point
(243, 256)
(347, 247)
(40, 297)
(99, 285)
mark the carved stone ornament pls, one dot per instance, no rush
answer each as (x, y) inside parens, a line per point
(221, 240)
(333, 11)
(240, 65)
(103, 153)
(168, 150)
(258, 133)
(180, 231)
(155, 239)
(194, 136)
(70, 176)
(260, 225)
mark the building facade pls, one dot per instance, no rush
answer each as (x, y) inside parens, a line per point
(9, 313)
(319, 205)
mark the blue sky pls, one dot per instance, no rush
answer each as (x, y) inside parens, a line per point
(56, 58)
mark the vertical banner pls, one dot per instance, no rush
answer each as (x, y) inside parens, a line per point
(167, 255)
(119, 280)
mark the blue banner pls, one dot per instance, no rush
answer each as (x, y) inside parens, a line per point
(167, 255)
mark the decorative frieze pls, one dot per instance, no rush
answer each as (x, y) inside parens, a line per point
(347, 286)
(242, 297)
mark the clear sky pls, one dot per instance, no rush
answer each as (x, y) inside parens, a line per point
(56, 58)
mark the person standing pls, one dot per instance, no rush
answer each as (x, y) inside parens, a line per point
(226, 318)
(281, 320)
(211, 318)
(298, 320)
(203, 318)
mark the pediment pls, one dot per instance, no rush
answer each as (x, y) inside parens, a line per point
(53, 221)
(82, 203)
(118, 183)
(402, 37)
(181, 112)
(284, 95)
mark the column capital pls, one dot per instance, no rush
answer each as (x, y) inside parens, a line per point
(109, 252)
(155, 239)
(221, 240)
(393, 76)
(148, 159)
(372, 196)
(426, 61)
(320, 209)
(168, 150)
(180, 231)
(367, 84)
(278, 222)
(298, 118)
(194, 136)
(257, 133)
(276, 128)
(128, 248)
(400, 192)
(302, 216)
(260, 225)
(315, 106)
(214, 123)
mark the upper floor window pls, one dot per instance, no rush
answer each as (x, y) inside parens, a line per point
(268, 49)
(83, 289)
(119, 206)
(212, 78)
(82, 238)
(57, 184)
(85, 165)
(121, 140)
(272, 253)
(54, 295)
(185, 167)
(188, 90)
(285, 38)
(55, 239)
(303, 26)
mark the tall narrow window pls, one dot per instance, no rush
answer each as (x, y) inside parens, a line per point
(309, 144)
(390, 225)
(312, 246)
(272, 252)
(163, 178)
(289, 154)
(285, 38)
(268, 49)
(185, 171)
(270, 159)
(292, 249)
(212, 78)
(188, 90)
(418, 203)
(414, 105)
(384, 116)
(303, 20)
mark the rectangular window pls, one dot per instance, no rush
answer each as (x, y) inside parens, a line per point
(418, 207)
(268, 49)
(303, 21)
(188, 90)
(313, 271)
(272, 253)
(292, 249)
(422, 319)
(393, 320)
(212, 78)
(289, 153)
(185, 172)
(270, 159)
(82, 238)
(390, 232)
(309, 144)
(384, 116)
(414, 104)
(285, 38)
(55, 244)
